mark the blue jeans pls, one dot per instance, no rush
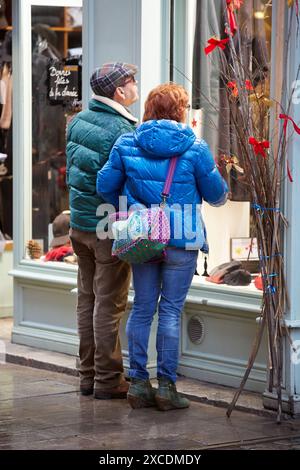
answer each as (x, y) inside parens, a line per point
(169, 281)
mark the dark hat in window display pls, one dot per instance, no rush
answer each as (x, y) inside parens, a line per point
(60, 229)
(238, 277)
(217, 274)
(230, 273)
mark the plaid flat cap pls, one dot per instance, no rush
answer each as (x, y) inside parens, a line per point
(108, 77)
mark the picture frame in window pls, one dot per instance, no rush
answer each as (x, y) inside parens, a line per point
(243, 249)
(240, 251)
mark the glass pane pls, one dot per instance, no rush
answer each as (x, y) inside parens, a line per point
(56, 96)
(215, 101)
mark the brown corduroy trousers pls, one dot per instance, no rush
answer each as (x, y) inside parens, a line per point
(103, 283)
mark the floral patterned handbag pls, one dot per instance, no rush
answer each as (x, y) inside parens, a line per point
(145, 234)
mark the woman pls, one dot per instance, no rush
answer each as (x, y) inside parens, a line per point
(137, 167)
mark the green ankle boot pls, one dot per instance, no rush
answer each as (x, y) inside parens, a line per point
(167, 397)
(141, 394)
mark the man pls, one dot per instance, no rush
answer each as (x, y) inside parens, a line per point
(103, 281)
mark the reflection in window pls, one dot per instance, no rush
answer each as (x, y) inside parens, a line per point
(211, 75)
(56, 96)
(6, 153)
(213, 110)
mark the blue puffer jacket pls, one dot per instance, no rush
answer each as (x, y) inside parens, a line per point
(138, 166)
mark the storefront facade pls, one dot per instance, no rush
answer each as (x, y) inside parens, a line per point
(219, 321)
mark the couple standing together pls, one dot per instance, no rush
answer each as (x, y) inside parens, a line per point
(108, 155)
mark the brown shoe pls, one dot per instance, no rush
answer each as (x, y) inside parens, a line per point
(117, 392)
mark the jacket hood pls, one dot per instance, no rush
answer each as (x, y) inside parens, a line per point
(164, 138)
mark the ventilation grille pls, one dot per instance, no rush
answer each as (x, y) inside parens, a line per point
(195, 329)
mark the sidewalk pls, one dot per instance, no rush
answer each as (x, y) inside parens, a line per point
(42, 409)
(196, 390)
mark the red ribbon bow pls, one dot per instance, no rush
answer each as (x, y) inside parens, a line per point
(213, 43)
(259, 146)
(286, 119)
(296, 129)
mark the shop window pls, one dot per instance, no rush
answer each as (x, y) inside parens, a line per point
(56, 97)
(230, 232)
(6, 156)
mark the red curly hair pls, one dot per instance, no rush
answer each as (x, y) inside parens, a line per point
(166, 101)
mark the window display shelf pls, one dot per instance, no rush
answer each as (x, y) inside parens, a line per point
(201, 281)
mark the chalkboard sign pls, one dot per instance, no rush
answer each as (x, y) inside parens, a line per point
(64, 82)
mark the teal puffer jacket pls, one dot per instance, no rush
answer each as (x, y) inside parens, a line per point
(90, 137)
